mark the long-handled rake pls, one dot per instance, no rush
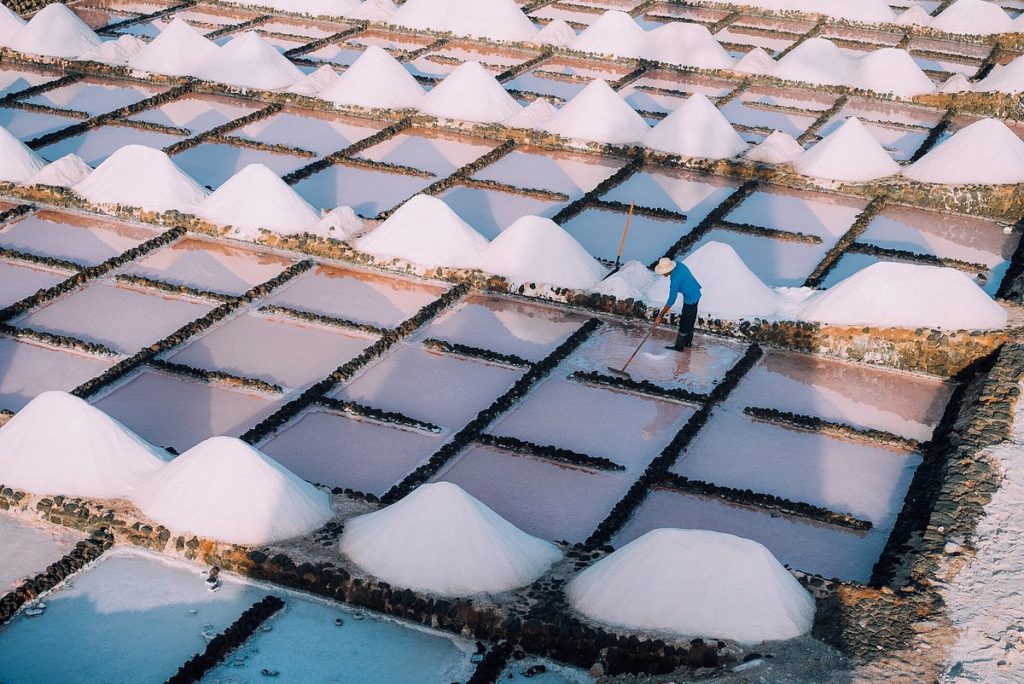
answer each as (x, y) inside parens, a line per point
(622, 241)
(621, 372)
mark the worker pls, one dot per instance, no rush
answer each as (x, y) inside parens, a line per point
(681, 282)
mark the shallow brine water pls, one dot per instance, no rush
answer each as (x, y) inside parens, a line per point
(211, 164)
(25, 125)
(691, 194)
(492, 211)
(93, 97)
(31, 547)
(368, 191)
(96, 144)
(27, 368)
(78, 239)
(440, 155)
(600, 232)
(570, 174)
(12, 80)
(799, 212)
(196, 113)
(318, 133)
(19, 280)
(779, 263)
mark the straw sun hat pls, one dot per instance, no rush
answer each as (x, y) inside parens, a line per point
(664, 266)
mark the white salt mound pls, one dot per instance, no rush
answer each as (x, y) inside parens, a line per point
(614, 33)
(10, 24)
(340, 223)
(1004, 79)
(890, 70)
(696, 129)
(249, 61)
(117, 52)
(987, 152)
(179, 50)
(316, 82)
(224, 489)
(686, 44)
(373, 10)
(425, 231)
(533, 115)
(849, 153)
(255, 198)
(537, 250)
(957, 83)
(64, 172)
(470, 93)
(140, 176)
(816, 60)
(695, 583)
(441, 540)
(599, 114)
(631, 281)
(907, 296)
(973, 17)
(55, 31)
(498, 19)
(375, 80)
(777, 148)
(757, 61)
(60, 444)
(557, 33)
(17, 162)
(915, 16)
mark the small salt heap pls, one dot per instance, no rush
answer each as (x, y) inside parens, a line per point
(537, 250)
(64, 172)
(695, 583)
(10, 24)
(850, 153)
(777, 148)
(373, 10)
(696, 129)
(376, 80)
(60, 444)
(140, 176)
(256, 198)
(497, 19)
(557, 33)
(686, 44)
(314, 83)
(1003, 79)
(251, 62)
(599, 114)
(890, 70)
(914, 16)
(757, 61)
(55, 31)
(339, 223)
(179, 50)
(976, 17)
(226, 490)
(17, 162)
(533, 115)
(985, 152)
(470, 93)
(614, 33)
(116, 52)
(815, 60)
(439, 539)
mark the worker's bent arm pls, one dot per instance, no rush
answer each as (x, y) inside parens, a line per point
(661, 314)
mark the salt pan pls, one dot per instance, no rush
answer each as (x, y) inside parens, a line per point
(849, 153)
(986, 152)
(249, 61)
(538, 250)
(696, 129)
(598, 113)
(378, 80)
(255, 198)
(470, 93)
(141, 176)
(178, 51)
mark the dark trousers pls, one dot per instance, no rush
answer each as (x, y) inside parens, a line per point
(687, 320)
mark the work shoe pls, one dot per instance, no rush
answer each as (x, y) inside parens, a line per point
(675, 348)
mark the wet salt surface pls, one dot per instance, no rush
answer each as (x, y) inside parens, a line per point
(73, 238)
(368, 191)
(572, 175)
(548, 500)
(96, 144)
(492, 211)
(30, 548)
(440, 155)
(357, 296)
(210, 164)
(196, 113)
(27, 368)
(19, 280)
(803, 545)
(173, 411)
(506, 326)
(122, 318)
(265, 348)
(209, 266)
(600, 232)
(93, 98)
(341, 451)
(25, 125)
(442, 389)
(536, 81)
(317, 133)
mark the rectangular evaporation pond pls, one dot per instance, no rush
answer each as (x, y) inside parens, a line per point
(564, 172)
(147, 29)
(779, 263)
(359, 296)
(74, 238)
(96, 144)
(211, 266)
(32, 546)
(30, 368)
(306, 643)
(122, 318)
(390, 40)
(506, 326)
(197, 113)
(738, 35)
(93, 97)
(342, 55)
(210, 164)
(866, 480)
(826, 216)
(549, 500)
(683, 84)
(25, 125)
(626, 428)
(851, 263)
(301, 28)
(341, 451)
(13, 80)
(445, 390)
(698, 371)
(132, 617)
(19, 280)
(320, 133)
(600, 232)
(368, 191)
(173, 411)
(803, 545)
(692, 194)
(439, 154)
(492, 211)
(745, 111)
(284, 352)
(903, 404)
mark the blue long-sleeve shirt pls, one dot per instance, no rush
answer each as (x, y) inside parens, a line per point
(682, 282)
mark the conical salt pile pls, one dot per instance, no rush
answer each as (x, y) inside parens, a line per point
(426, 231)
(695, 583)
(64, 172)
(892, 294)
(10, 24)
(537, 250)
(631, 281)
(533, 115)
(730, 289)
(757, 61)
(439, 539)
(339, 223)
(470, 93)
(378, 80)
(139, 176)
(249, 61)
(849, 153)
(178, 51)
(59, 444)
(815, 60)
(255, 198)
(1004, 79)
(599, 114)
(17, 162)
(614, 33)
(973, 17)
(890, 70)
(696, 129)
(686, 45)
(316, 82)
(498, 19)
(373, 10)
(985, 152)
(557, 33)
(224, 489)
(915, 16)
(55, 31)
(777, 148)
